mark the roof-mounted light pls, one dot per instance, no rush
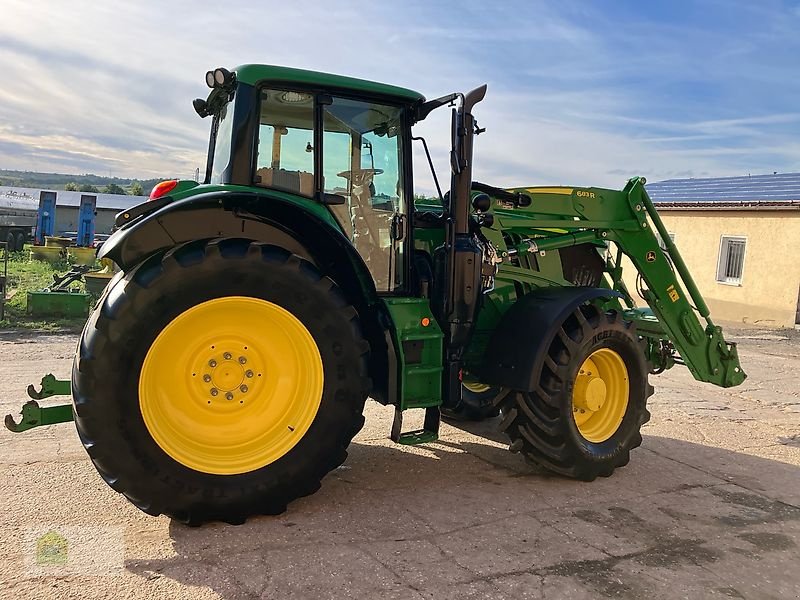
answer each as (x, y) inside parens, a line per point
(219, 78)
(295, 98)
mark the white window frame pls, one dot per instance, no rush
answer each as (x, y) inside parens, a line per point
(723, 246)
(661, 241)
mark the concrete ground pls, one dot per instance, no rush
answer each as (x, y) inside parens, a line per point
(708, 508)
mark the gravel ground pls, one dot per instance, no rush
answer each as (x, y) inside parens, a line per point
(708, 508)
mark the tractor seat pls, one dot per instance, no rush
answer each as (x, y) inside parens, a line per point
(299, 182)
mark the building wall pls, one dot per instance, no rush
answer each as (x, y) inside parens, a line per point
(768, 294)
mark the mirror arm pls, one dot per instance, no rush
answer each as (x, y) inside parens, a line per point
(426, 108)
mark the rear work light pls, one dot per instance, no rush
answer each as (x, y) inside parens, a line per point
(163, 188)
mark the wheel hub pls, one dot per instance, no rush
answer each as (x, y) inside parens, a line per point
(227, 370)
(227, 376)
(590, 392)
(600, 395)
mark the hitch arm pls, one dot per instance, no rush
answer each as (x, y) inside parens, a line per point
(50, 386)
(34, 415)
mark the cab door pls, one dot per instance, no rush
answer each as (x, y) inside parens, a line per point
(362, 162)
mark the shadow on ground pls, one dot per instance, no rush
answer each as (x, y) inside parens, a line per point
(467, 519)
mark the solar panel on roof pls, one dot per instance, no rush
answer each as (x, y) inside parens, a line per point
(767, 188)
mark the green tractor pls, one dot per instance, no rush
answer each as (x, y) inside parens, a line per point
(224, 370)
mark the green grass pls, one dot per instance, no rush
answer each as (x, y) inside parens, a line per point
(26, 275)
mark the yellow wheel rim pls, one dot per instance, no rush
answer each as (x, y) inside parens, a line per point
(475, 387)
(600, 395)
(231, 385)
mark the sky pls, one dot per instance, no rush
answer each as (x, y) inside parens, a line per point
(580, 92)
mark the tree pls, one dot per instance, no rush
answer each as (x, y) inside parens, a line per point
(71, 187)
(113, 188)
(136, 189)
(88, 188)
(423, 199)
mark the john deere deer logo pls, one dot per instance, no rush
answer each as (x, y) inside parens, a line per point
(51, 549)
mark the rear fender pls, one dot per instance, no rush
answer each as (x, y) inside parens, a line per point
(216, 214)
(516, 350)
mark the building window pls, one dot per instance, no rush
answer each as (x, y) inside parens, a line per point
(661, 243)
(731, 260)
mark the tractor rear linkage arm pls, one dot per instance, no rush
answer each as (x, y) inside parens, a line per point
(34, 415)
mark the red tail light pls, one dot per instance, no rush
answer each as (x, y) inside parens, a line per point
(163, 188)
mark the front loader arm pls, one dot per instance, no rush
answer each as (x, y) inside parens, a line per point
(563, 217)
(673, 295)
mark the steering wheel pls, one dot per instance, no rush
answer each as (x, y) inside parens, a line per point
(361, 210)
(360, 176)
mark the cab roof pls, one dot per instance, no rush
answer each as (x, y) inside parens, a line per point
(253, 74)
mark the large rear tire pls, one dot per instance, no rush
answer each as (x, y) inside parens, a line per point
(19, 241)
(219, 380)
(585, 415)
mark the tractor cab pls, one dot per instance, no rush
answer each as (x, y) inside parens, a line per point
(348, 150)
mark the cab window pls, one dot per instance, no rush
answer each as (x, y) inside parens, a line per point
(285, 153)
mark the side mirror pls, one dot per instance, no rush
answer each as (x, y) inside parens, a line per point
(201, 107)
(481, 202)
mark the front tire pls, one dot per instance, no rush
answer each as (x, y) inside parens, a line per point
(585, 415)
(219, 380)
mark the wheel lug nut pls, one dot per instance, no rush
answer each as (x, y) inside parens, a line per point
(206, 378)
(248, 374)
(228, 396)
(212, 363)
(242, 360)
(243, 389)
(227, 356)
(214, 391)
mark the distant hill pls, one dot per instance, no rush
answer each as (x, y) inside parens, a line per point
(57, 181)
